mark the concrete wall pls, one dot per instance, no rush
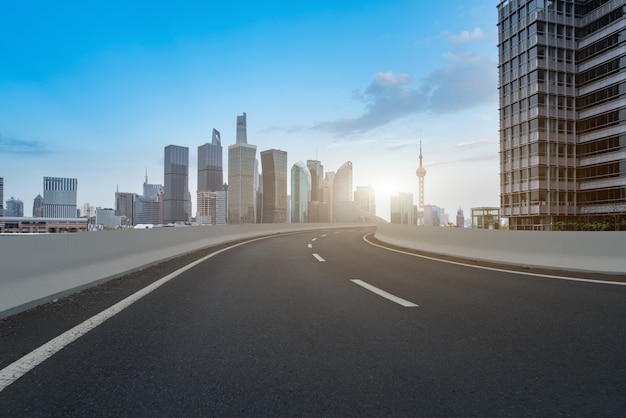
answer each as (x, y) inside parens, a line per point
(35, 269)
(603, 252)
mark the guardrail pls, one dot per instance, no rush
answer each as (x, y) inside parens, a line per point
(36, 269)
(599, 252)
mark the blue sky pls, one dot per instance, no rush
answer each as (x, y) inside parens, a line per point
(96, 90)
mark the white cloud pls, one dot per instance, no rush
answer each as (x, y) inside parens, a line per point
(389, 79)
(466, 36)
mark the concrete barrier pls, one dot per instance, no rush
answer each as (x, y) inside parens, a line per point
(36, 269)
(601, 252)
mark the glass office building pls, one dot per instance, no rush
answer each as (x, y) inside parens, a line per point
(562, 111)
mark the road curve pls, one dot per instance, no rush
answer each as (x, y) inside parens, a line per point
(323, 323)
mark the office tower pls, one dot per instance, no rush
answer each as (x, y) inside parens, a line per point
(317, 179)
(242, 129)
(38, 207)
(148, 208)
(327, 196)
(300, 192)
(562, 112)
(365, 198)
(432, 215)
(460, 218)
(344, 209)
(1, 196)
(59, 197)
(87, 211)
(241, 183)
(176, 184)
(14, 208)
(210, 172)
(274, 167)
(125, 207)
(402, 209)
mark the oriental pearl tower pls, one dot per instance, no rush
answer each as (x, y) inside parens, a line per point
(421, 173)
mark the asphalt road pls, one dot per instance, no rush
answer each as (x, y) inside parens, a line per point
(280, 327)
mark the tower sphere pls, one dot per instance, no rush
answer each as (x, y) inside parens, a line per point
(420, 172)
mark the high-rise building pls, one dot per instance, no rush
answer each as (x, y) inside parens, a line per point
(125, 207)
(300, 192)
(176, 191)
(317, 179)
(38, 207)
(274, 167)
(242, 178)
(402, 209)
(562, 112)
(210, 172)
(1, 196)
(344, 208)
(460, 219)
(14, 208)
(59, 197)
(242, 129)
(366, 199)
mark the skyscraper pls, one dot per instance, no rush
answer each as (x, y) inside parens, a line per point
(242, 129)
(365, 198)
(59, 197)
(176, 184)
(242, 178)
(300, 192)
(562, 112)
(1, 196)
(125, 207)
(344, 209)
(14, 208)
(317, 179)
(210, 172)
(274, 167)
(38, 207)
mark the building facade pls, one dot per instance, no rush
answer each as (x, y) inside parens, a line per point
(14, 208)
(342, 200)
(38, 207)
(125, 207)
(59, 197)
(274, 200)
(300, 192)
(241, 184)
(176, 190)
(402, 209)
(210, 171)
(485, 218)
(562, 95)
(1, 197)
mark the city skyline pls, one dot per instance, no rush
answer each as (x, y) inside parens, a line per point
(101, 106)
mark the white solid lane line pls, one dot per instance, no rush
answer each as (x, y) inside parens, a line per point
(20, 367)
(320, 259)
(522, 273)
(384, 294)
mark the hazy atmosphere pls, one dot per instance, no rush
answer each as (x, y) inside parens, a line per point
(95, 91)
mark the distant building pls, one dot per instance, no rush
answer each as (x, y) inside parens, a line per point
(242, 178)
(1, 197)
(106, 218)
(432, 215)
(38, 207)
(402, 209)
(42, 225)
(59, 197)
(149, 206)
(176, 189)
(210, 171)
(300, 192)
(317, 179)
(486, 218)
(125, 207)
(274, 200)
(366, 199)
(344, 208)
(327, 195)
(460, 219)
(14, 208)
